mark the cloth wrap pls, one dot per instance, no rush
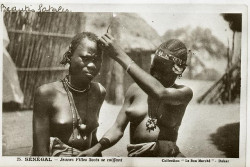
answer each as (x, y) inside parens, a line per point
(59, 149)
(161, 148)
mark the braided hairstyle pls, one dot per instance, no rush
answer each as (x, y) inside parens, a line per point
(75, 43)
(177, 49)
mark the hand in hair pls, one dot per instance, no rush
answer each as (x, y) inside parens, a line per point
(92, 152)
(111, 46)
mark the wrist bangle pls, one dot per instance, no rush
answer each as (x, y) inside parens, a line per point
(128, 67)
(105, 142)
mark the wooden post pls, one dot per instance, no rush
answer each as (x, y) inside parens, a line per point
(228, 55)
(229, 74)
(189, 61)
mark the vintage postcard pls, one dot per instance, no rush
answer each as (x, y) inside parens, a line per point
(124, 84)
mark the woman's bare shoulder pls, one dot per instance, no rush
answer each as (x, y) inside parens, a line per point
(100, 89)
(187, 91)
(49, 89)
(44, 97)
(185, 88)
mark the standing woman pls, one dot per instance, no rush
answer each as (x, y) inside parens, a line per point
(154, 106)
(66, 112)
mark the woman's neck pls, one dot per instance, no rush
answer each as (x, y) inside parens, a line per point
(78, 82)
(169, 82)
(169, 85)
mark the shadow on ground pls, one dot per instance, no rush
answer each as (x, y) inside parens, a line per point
(226, 139)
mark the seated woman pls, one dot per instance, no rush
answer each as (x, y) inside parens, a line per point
(154, 105)
(65, 116)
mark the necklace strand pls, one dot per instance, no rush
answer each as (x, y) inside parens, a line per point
(74, 88)
(73, 111)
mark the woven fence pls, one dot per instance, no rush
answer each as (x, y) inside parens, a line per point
(37, 44)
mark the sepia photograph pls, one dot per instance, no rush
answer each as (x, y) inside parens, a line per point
(166, 83)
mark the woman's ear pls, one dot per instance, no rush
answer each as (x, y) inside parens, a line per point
(66, 58)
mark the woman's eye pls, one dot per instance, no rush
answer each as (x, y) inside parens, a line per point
(84, 58)
(94, 59)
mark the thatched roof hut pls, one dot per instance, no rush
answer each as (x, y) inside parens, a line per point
(135, 33)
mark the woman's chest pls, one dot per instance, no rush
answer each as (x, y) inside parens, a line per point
(166, 114)
(138, 110)
(170, 115)
(65, 111)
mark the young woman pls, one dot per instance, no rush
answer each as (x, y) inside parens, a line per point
(65, 116)
(154, 105)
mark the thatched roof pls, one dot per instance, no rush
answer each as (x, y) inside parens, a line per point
(134, 32)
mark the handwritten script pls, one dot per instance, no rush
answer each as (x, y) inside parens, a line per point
(30, 8)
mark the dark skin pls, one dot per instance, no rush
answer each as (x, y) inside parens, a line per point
(52, 116)
(150, 92)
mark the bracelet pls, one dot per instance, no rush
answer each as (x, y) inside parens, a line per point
(128, 67)
(105, 142)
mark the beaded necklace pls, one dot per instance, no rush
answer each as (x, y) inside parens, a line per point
(77, 121)
(74, 88)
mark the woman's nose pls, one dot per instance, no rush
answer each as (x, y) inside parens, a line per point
(91, 65)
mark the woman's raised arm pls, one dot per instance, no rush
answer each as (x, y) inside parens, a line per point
(147, 82)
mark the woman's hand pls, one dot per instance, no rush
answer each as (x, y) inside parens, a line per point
(111, 46)
(92, 152)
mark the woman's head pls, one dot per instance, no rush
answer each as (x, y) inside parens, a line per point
(169, 61)
(84, 55)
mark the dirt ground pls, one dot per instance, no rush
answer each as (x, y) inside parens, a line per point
(206, 130)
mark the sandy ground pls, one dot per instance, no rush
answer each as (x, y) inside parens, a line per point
(194, 140)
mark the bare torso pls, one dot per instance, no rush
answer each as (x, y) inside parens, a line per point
(61, 122)
(169, 117)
